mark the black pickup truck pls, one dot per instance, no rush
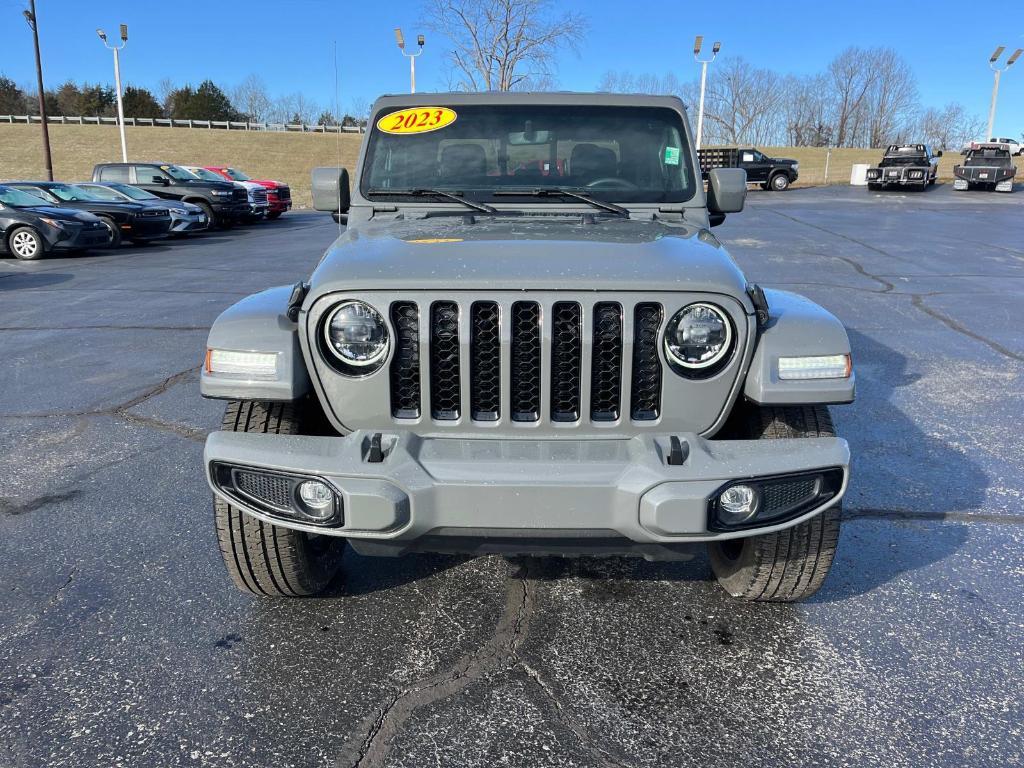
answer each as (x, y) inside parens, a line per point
(775, 173)
(987, 166)
(912, 166)
(223, 202)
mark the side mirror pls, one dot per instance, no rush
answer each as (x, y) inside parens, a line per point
(727, 192)
(330, 190)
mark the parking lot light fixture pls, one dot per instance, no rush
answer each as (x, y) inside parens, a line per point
(993, 64)
(698, 43)
(117, 82)
(420, 41)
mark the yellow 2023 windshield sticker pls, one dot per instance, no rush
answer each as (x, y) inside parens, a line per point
(417, 120)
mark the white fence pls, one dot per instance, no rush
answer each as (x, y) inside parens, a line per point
(163, 122)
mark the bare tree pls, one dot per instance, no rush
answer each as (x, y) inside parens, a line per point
(251, 98)
(165, 91)
(851, 77)
(805, 109)
(743, 104)
(624, 81)
(503, 45)
(892, 101)
(293, 108)
(950, 127)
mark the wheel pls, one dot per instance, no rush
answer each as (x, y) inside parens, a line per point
(274, 214)
(114, 230)
(264, 559)
(789, 565)
(210, 219)
(779, 182)
(25, 243)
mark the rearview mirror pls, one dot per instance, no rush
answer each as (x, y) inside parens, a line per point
(330, 190)
(727, 192)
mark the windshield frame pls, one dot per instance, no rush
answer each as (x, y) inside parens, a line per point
(671, 119)
(237, 175)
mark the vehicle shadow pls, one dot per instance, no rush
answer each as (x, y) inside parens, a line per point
(14, 281)
(361, 575)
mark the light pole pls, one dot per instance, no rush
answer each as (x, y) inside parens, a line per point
(420, 40)
(30, 17)
(117, 82)
(697, 44)
(994, 66)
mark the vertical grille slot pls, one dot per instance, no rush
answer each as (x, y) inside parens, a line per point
(526, 352)
(485, 362)
(405, 365)
(645, 403)
(566, 360)
(606, 363)
(445, 390)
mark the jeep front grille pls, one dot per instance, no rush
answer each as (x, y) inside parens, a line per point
(587, 362)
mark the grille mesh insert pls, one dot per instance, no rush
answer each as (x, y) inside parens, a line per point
(485, 362)
(566, 354)
(606, 364)
(781, 496)
(445, 388)
(526, 366)
(405, 365)
(274, 490)
(645, 403)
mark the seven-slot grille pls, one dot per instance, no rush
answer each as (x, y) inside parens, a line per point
(556, 372)
(259, 195)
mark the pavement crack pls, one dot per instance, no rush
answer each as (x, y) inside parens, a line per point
(190, 433)
(372, 743)
(599, 757)
(916, 515)
(918, 301)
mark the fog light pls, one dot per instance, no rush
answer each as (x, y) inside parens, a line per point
(738, 503)
(317, 499)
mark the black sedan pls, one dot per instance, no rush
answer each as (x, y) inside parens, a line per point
(134, 221)
(29, 228)
(185, 217)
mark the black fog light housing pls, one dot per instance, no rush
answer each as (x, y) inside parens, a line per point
(762, 501)
(299, 498)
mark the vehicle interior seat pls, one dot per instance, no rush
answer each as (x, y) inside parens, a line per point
(463, 164)
(589, 162)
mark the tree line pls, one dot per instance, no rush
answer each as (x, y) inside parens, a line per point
(249, 101)
(863, 98)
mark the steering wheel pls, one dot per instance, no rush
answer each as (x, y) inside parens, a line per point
(613, 182)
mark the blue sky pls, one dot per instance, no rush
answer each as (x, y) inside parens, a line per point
(289, 43)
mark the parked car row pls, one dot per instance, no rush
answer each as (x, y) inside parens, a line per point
(138, 202)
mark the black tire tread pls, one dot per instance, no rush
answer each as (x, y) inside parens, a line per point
(791, 564)
(261, 558)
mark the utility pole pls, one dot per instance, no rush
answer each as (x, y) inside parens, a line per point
(30, 17)
(420, 40)
(994, 66)
(697, 44)
(117, 82)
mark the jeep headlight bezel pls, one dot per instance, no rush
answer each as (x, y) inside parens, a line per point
(716, 322)
(355, 338)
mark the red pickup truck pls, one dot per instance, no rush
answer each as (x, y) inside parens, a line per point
(279, 194)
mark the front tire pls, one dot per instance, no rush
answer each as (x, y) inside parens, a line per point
(274, 215)
(788, 565)
(263, 559)
(26, 244)
(115, 232)
(779, 182)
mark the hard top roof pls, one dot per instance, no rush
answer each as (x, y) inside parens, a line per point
(517, 97)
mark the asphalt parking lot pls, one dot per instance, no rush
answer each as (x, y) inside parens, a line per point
(122, 642)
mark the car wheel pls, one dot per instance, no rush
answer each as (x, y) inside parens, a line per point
(274, 214)
(113, 229)
(211, 221)
(26, 244)
(779, 182)
(789, 565)
(264, 559)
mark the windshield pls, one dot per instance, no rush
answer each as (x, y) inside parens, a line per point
(18, 199)
(206, 175)
(134, 192)
(71, 194)
(236, 175)
(621, 154)
(176, 172)
(104, 193)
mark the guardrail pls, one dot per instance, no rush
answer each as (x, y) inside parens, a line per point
(164, 122)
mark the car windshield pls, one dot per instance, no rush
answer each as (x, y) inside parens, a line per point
(611, 153)
(206, 175)
(104, 193)
(134, 192)
(176, 172)
(18, 199)
(70, 193)
(236, 175)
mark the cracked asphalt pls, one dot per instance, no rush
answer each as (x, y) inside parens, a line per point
(122, 642)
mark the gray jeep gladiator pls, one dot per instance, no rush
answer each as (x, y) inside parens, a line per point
(527, 340)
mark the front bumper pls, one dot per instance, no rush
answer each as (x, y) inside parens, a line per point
(77, 237)
(148, 228)
(189, 222)
(564, 490)
(277, 205)
(899, 178)
(231, 210)
(258, 210)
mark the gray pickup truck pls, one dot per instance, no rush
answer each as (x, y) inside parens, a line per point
(527, 340)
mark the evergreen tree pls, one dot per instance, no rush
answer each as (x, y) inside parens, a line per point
(12, 98)
(140, 102)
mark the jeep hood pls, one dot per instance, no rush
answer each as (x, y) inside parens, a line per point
(545, 252)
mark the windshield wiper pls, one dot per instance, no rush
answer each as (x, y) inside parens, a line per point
(564, 192)
(482, 207)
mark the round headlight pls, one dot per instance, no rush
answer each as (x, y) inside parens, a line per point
(355, 332)
(698, 336)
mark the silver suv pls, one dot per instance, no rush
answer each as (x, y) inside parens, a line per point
(527, 340)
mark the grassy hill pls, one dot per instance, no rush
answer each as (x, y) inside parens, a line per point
(285, 156)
